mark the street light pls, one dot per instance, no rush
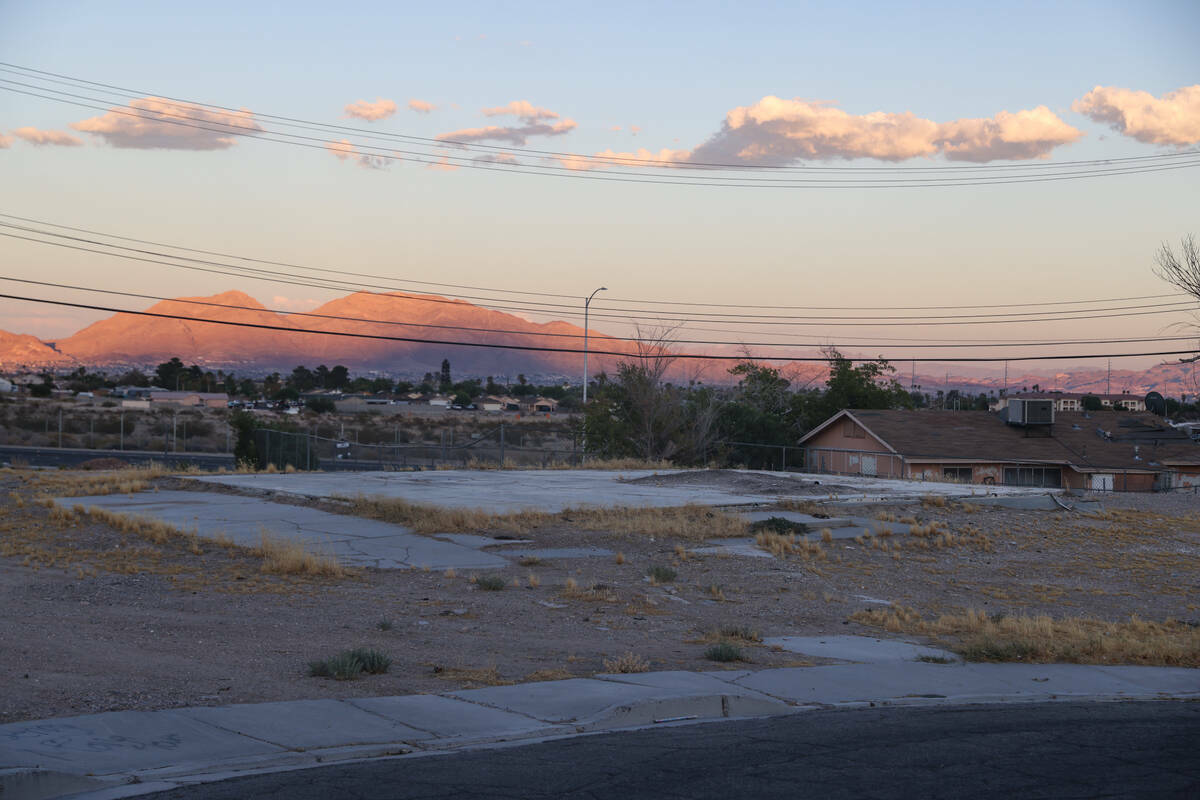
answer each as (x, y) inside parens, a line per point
(587, 303)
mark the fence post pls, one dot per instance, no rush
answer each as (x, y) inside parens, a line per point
(60, 427)
(122, 444)
(501, 445)
(307, 452)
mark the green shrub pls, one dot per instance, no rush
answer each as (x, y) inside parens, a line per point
(661, 574)
(491, 583)
(724, 651)
(373, 662)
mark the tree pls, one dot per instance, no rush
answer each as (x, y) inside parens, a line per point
(133, 378)
(446, 383)
(320, 405)
(169, 373)
(302, 379)
(339, 376)
(1091, 403)
(1183, 270)
(869, 385)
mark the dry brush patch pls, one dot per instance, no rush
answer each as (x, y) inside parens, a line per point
(1043, 639)
(691, 522)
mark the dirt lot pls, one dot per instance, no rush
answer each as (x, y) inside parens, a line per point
(98, 620)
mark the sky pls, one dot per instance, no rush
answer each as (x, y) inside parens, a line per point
(781, 85)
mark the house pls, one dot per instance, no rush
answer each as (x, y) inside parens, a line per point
(540, 405)
(201, 399)
(1103, 450)
(1073, 401)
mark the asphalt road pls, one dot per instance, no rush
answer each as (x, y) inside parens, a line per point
(1053, 750)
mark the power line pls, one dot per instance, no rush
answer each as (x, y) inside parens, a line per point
(545, 349)
(1074, 173)
(75, 82)
(563, 309)
(292, 265)
(363, 320)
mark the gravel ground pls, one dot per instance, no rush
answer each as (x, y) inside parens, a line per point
(96, 620)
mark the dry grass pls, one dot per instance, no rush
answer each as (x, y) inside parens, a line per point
(620, 558)
(782, 546)
(472, 677)
(1042, 639)
(84, 484)
(933, 501)
(596, 592)
(694, 523)
(287, 557)
(628, 663)
(547, 675)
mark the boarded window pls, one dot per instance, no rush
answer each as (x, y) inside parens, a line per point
(852, 431)
(958, 474)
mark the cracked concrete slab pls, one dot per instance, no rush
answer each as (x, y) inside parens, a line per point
(507, 491)
(102, 744)
(447, 717)
(354, 541)
(306, 724)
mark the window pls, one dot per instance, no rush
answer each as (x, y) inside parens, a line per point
(958, 474)
(1033, 476)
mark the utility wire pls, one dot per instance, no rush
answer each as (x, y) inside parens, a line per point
(257, 133)
(75, 82)
(291, 265)
(660, 352)
(600, 336)
(563, 309)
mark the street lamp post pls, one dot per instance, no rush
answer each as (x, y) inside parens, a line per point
(587, 303)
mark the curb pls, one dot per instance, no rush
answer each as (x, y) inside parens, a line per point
(125, 754)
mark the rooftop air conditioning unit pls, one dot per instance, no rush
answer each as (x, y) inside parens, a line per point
(1030, 412)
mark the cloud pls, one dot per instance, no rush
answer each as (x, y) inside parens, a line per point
(371, 112)
(442, 165)
(152, 123)
(775, 131)
(344, 150)
(526, 111)
(57, 138)
(516, 135)
(534, 122)
(635, 129)
(612, 159)
(615, 128)
(421, 106)
(5, 141)
(1173, 118)
(496, 158)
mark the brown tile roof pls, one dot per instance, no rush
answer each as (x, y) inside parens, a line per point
(1074, 440)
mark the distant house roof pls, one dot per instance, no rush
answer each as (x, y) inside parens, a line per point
(1134, 441)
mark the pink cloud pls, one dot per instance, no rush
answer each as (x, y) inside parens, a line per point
(371, 112)
(5, 141)
(615, 129)
(516, 135)
(344, 150)
(1173, 118)
(442, 165)
(612, 159)
(635, 129)
(775, 131)
(523, 109)
(421, 106)
(155, 123)
(40, 138)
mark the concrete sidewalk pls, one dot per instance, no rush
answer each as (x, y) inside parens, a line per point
(126, 753)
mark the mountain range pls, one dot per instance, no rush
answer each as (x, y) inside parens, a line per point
(424, 329)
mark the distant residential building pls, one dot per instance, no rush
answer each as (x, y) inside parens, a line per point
(1104, 450)
(190, 399)
(1073, 401)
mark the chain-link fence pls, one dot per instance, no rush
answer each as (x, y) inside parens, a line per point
(307, 451)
